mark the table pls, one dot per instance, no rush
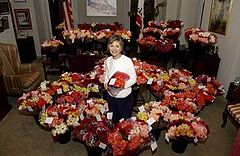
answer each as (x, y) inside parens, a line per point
(55, 67)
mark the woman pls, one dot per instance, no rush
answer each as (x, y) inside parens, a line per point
(120, 104)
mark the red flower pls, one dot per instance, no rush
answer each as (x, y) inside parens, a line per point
(41, 102)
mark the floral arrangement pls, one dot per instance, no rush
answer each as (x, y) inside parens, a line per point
(145, 71)
(33, 100)
(117, 82)
(87, 35)
(150, 43)
(87, 32)
(59, 129)
(180, 91)
(187, 126)
(128, 137)
(147, 43)
(169, 29)
(151, 31)
(93, 132)
(210, 85)
(153, 110)
(60, 26)
(164, 45)
(200, 36)
(52, 43)
(125, 34)
(95, 106)
(100, 26)
(77, 34)
(158, 24)
(103, 34)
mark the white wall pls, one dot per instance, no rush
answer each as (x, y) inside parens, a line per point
(7, 36)
(172, 8)
(185, 10)
(34, 32)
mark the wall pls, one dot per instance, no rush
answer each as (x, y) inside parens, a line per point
(43, 20)
(186, 10)
(79, 9)
(7, 36)
(34, 32)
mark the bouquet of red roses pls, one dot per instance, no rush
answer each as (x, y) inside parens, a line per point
(117, 82)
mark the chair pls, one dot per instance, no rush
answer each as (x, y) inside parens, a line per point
(18, 78)
(232, 109)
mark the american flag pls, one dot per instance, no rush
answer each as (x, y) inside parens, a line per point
(140, 16)
(68, 17)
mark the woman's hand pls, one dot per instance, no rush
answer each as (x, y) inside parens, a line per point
(106, 86)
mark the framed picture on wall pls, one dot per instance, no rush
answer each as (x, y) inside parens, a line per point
(101, 8)
(23, 19)
(219, 17)
(4, 7)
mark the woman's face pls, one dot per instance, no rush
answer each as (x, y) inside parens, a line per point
(115, 49)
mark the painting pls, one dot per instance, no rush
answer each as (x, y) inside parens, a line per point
(219, 17)
(101, 7)
(23, 19)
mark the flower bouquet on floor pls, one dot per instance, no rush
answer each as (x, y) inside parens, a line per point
(61, 133)
(92, 131)
(117, 82)
(185, 128)
(129, 137)
(33, 101)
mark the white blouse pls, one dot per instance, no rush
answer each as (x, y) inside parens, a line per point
(123, 64)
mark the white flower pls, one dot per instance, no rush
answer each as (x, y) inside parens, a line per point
(59, 129)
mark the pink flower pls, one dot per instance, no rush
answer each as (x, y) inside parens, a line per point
(200, 130)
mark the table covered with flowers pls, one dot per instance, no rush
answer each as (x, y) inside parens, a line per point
(72, 104)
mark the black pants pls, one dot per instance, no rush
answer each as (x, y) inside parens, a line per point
(121, 107)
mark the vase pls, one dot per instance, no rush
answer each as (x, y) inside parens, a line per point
(64, 138)
(179, 145)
